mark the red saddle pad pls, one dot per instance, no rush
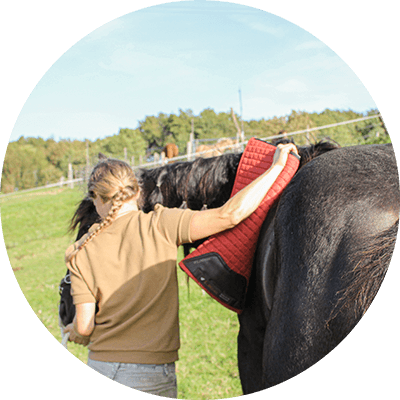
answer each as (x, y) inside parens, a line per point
(222, 264)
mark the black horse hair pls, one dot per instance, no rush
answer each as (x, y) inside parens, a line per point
(202, 183)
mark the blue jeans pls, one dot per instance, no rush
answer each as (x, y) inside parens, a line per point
(150, 378)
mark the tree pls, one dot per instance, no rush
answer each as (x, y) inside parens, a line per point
(212, 125)
(153, 130)
(31, 162)
(26, 166)
(178, 129)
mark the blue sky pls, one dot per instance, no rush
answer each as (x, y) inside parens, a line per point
(187, 55)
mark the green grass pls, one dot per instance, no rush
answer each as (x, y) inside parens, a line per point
(35, 233)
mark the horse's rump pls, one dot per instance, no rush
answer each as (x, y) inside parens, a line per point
(339, 205)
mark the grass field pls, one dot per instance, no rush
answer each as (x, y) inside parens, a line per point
(35, 228)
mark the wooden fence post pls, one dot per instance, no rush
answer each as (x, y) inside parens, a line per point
(70, 176)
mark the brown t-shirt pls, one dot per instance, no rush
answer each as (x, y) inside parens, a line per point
(129, 271)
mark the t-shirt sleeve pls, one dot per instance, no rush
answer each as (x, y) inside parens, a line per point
(174, 223)
(80, 288)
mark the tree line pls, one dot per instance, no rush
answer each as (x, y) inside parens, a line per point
(31, 162)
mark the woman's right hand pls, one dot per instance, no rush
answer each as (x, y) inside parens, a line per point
(282, 153)
(75, 337)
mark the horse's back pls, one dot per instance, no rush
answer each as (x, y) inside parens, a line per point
(361, 179)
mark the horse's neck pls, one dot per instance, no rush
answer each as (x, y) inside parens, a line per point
(203, 183)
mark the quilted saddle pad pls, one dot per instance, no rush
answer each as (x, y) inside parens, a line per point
(222, 264)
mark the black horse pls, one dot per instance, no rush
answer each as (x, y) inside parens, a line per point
(321, 255)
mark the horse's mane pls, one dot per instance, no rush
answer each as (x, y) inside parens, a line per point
(309, 152)
(312, 151)
(202, 183)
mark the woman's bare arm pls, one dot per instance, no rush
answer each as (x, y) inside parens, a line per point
(243, 204)
(83, 325)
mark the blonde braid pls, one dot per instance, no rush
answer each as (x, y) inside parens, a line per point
(112, 180)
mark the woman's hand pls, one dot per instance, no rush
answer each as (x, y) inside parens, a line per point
(83, 325)
(75, 337)
(282, 153)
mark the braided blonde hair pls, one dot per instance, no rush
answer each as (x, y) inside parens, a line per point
(113, 181)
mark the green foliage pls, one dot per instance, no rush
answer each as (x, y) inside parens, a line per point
(212, 125)
(127, 143)
(32, 162)
(26, 166)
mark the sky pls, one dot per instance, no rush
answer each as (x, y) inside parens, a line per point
(187, 55)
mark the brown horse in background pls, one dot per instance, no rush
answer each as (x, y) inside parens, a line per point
(170, 150)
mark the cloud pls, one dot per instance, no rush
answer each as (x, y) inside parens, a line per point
(260, 27)
(269, 27)
(292, 86)
(310, 45)
(165, 71)
(135, 60)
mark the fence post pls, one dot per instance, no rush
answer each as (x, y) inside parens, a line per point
(87, 172)
(189, 150)
(70, 176)
(191, 146)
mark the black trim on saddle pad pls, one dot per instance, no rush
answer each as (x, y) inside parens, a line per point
(211, 272)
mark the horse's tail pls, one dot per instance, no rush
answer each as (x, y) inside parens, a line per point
(364, 280)
(296, 334)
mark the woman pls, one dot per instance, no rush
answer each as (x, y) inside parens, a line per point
(123, 274)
